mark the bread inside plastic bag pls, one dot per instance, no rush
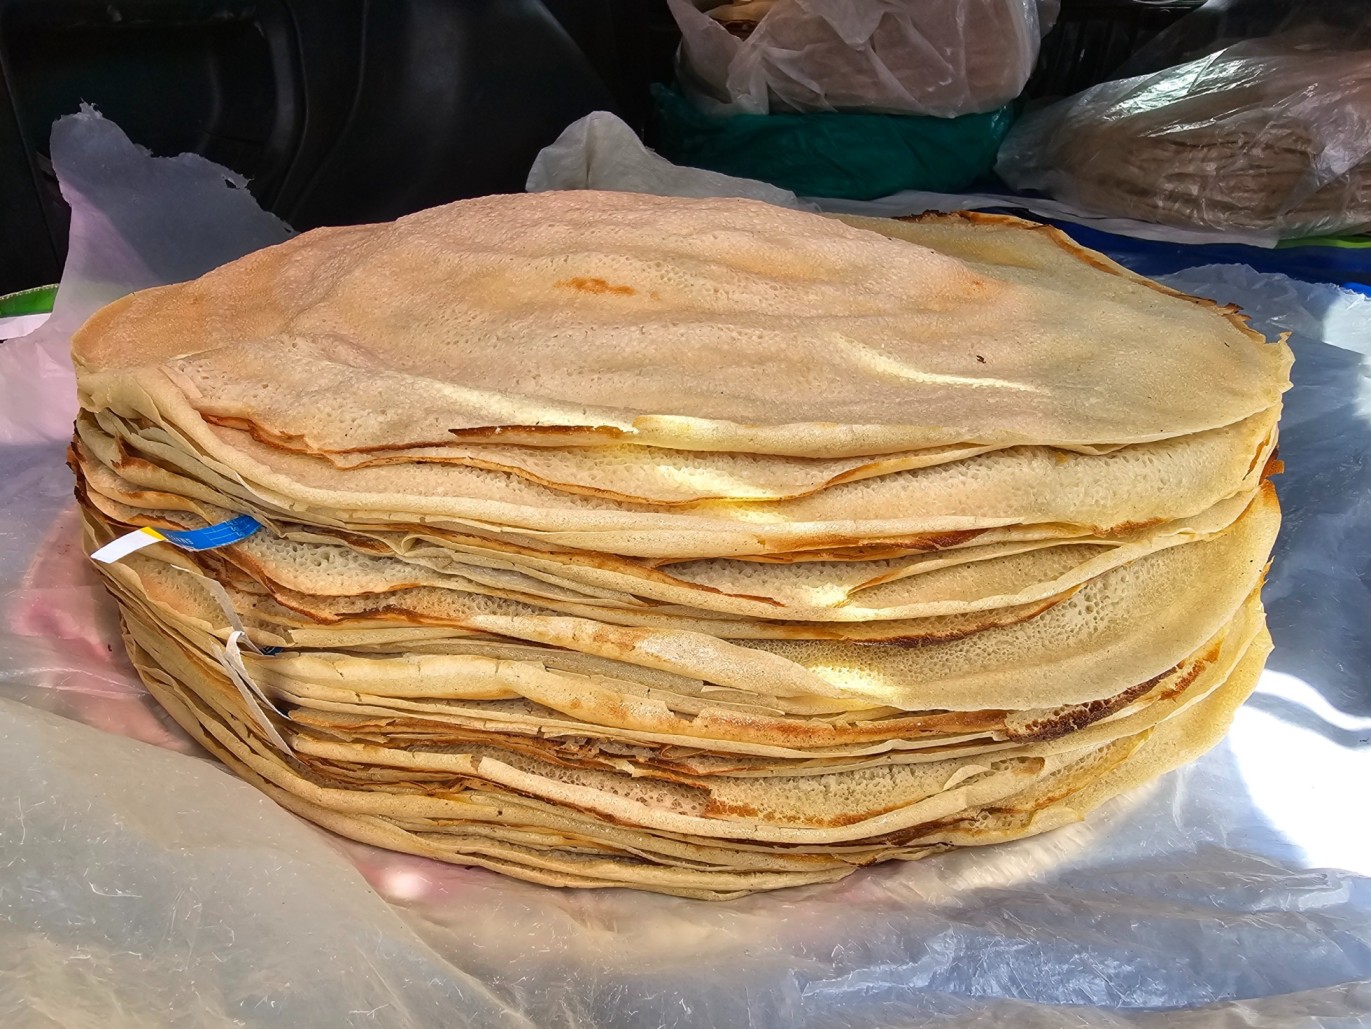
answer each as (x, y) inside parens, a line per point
(1265, 134)
(893, 56)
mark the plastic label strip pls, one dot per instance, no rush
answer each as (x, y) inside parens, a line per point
(253, 696)
(215, 588)
(233, 649)
(208, 538)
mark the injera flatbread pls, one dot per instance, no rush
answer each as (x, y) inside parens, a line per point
(1179, 739)
(861, 591)
(1119, 629)
(1018, 493)
(732, 325)
(903, 606)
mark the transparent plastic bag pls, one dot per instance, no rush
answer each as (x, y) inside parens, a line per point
(936, 57)
(1268, 134)
(142, 884)
(600, 151)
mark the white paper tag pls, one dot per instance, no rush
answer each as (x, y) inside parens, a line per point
(129, 543)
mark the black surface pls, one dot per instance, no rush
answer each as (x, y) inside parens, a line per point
(631, 43)
(452, 100)
(337, 111)
(344, 111)
(1093, 38)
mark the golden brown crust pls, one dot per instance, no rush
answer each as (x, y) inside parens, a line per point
(1231, 312)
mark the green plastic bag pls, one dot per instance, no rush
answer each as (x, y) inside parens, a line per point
(37, 300)
(850, 155)
(22, 312)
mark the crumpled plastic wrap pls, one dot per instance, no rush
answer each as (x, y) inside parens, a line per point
(600, 151)
(943, 58)
(1267, 134)
(143, 885)
(136, 222)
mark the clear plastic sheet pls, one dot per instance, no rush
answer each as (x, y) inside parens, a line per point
(600, 151)
(143, 885)
(1267, 134)
(947, 58)
(136, 222)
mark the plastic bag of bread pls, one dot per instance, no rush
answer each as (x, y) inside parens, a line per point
(1270, 135)
(932, 57)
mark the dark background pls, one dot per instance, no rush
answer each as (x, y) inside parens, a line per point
(345, 111)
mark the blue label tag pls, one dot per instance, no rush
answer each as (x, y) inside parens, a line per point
(208, 538)
(212, 536)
